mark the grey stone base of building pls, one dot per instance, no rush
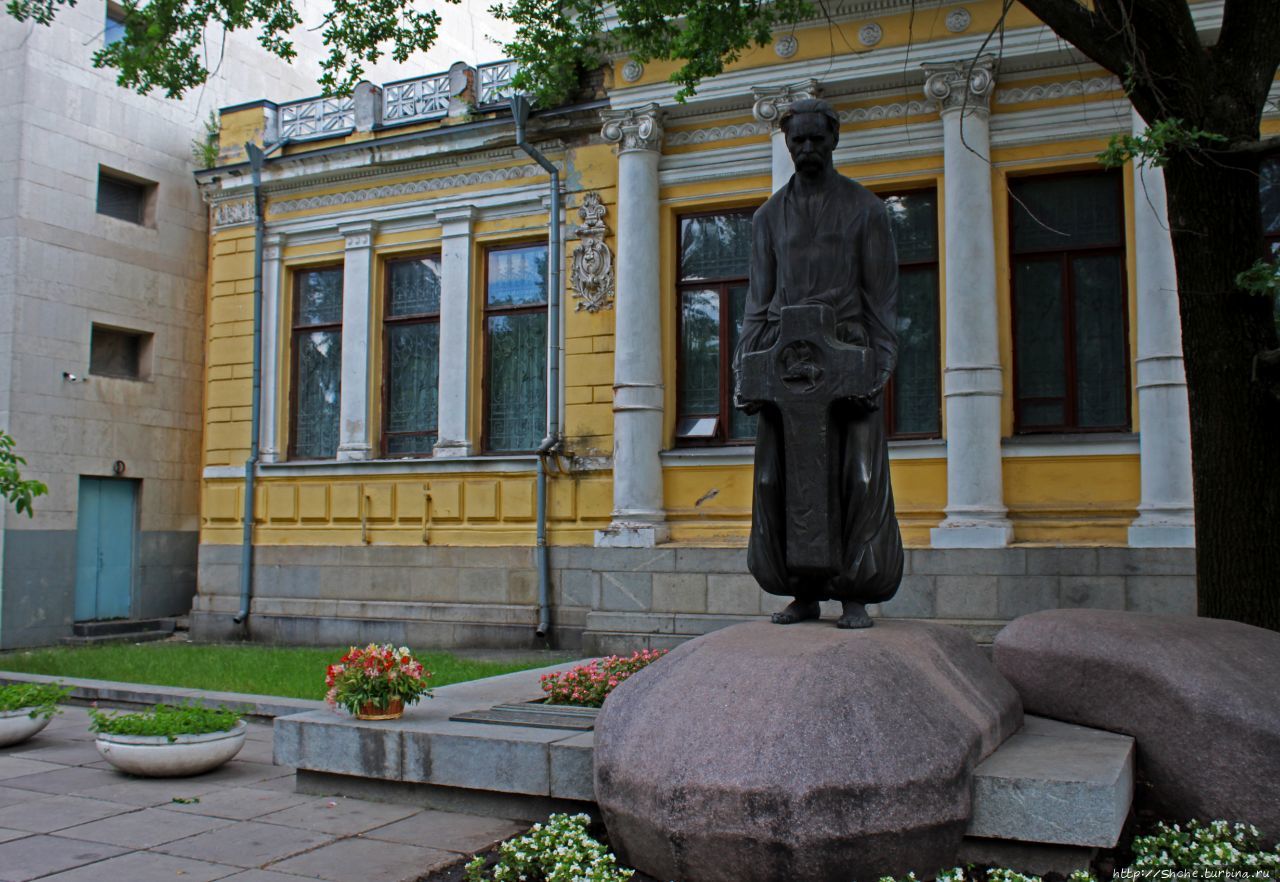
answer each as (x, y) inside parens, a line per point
(38, 582)
(607, 600)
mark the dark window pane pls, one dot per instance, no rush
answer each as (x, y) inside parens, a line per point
(413, 364)
(518, 277)
(517, 372)
(319, 379)
(715, 246)
(915, 381)
(415, 287)
(1074, 211)
(699, 352)
(121, 199)
(913, 217)
(741, 426)
(320, 297)
(1270, 192)
(1039, 338)
(115, 353)
(1101, 396)
(114, 30)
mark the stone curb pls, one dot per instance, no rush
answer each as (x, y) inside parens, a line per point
(140, 694)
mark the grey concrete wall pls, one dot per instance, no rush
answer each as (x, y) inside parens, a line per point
(39, 579)
(618, 600)
(166, 573)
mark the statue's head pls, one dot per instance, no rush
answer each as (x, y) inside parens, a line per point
(812, 129)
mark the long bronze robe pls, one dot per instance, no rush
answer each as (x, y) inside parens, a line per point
(835, 248)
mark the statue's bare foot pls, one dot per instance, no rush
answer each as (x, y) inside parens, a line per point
(797, 611)
(854, 616)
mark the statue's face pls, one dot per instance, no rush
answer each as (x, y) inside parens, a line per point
(810, 142)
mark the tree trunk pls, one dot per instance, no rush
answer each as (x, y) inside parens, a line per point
(1235, 421)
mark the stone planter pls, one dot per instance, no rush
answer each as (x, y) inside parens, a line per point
(155, 756)
(18, 725)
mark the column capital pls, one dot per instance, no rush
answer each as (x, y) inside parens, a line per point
(272, 244)
(457, 221)
(772, 102)
(961, 85)
(637, 128)
(359, 234)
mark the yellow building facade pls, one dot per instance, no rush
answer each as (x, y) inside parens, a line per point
(1037, 421)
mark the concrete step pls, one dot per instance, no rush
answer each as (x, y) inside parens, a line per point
(122, 626)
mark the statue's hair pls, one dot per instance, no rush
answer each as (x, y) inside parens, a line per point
(812, 105)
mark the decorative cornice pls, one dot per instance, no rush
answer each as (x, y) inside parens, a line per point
(770, 104)
(961, 85)
(888, 111)
(591, 276)
(233, 214)
(639, 128)
(1067, 89)
(716, 133)
(406, 188)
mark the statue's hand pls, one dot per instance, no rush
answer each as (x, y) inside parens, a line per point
(750, 408)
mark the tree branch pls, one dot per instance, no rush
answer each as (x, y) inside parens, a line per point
(1086, 30)
(1248, 49)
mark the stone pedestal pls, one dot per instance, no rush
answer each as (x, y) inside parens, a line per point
(764, 752)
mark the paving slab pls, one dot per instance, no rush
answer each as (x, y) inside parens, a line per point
(349, 859)
(339, 815)
(146, 828)
(145, 866)
(12, 796)
(13, 767)
(247, 844)
(239, 803)
(262, 876)
(1055, 783)
(143, 792)
(449, 831)
(242, 773)
(65, 779)
(36, 856)
(10, 835)
(51, 813)
(67, 753)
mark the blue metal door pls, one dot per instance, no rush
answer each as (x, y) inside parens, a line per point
(104, 548)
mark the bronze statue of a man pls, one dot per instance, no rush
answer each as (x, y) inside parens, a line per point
(823, 240)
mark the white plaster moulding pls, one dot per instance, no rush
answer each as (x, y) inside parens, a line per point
(744, 455)
(1035, 47)
(390, 467)
(1066, 122)
(1057, 445)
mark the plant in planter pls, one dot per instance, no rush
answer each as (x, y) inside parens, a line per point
(168, 740)
(561, 850)
(26, 708)
(376, 682)
(590, 684)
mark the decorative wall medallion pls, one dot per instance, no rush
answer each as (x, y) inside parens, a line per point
(786, 46)
(958, 19)
(591, 275)
(632, 71)
(870, 34)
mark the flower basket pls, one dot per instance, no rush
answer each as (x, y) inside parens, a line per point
(376, 682)
(370, 710)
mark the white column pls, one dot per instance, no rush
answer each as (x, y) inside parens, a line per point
(638, 514)
(357, 278)
(770, 105)
(275, 302)
(453, 419)
(972, 386)
(1165, 514)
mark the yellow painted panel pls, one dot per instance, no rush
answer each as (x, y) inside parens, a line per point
(446, 500)
(602, 343)
(561, 499)
(228, 267)
(595, 499)
(282, 502)
(379, 501)
(228, 393)
(482, 500)
(222, 503)
(231, 350)
(345, 502)
(517, 499)
(589, 419)
(708, 491)
(576, 345)
(410, 502)
(313, 502)
(578, 394)
(226, 436)
(1078, 483)
(595, 365)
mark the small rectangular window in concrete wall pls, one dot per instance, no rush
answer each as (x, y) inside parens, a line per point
(114, 30)
(116, 352)
(126, 197)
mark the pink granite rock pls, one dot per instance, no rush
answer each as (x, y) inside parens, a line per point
(765, 752)
(1200, 696)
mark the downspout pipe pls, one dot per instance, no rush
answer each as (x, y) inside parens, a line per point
(551, 443)
(256, 157)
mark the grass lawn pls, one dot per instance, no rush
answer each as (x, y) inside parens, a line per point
(294, 672)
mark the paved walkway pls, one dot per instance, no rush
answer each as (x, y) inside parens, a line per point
(67, 815)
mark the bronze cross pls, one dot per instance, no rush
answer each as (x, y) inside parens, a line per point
(802, 375)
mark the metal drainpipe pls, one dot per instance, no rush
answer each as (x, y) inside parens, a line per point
(256, 156)
(520, 112)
